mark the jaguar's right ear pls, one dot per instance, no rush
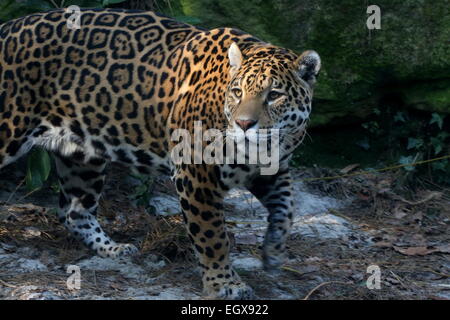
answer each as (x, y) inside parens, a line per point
(308, 66)
(235, 57)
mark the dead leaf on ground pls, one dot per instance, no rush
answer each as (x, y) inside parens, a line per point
(399, 213)
(349, 168)
(422, 251)
(363, 195)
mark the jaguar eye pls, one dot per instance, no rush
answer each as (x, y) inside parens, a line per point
(273, 95)
(237, 92)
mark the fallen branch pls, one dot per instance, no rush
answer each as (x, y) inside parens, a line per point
(7, 284)
(430, 196)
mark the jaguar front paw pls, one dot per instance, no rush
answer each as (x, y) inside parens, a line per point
(235, 290)
(272, 261)
(117, 250)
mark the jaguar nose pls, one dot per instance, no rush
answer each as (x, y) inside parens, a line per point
(245, 124)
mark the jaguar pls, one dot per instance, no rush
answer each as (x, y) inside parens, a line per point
(117, 87)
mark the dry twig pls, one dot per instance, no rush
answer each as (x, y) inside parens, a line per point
(323, 284)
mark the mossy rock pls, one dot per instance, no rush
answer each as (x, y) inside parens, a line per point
(433, 95)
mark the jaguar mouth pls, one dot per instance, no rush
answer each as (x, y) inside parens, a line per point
(253, 135)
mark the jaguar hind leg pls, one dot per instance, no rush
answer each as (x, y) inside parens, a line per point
(14, 143)
(81, 187)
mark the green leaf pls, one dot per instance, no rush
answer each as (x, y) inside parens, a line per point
(407, 160)
(436, 118)
(399, 117)
(437, 145)
(443, 135)
(437, 149)
(414, 143)
(38, 169)
(140, 190)
(440, 165)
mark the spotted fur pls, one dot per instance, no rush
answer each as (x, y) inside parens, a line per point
(116, 89)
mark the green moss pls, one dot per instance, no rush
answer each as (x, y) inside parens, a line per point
(429, 96)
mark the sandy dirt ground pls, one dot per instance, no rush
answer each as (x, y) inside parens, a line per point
(342, 229)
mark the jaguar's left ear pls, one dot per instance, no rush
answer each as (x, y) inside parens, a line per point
(235, 58)
(308, 66)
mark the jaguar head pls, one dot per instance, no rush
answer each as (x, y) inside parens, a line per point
(270, 88)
